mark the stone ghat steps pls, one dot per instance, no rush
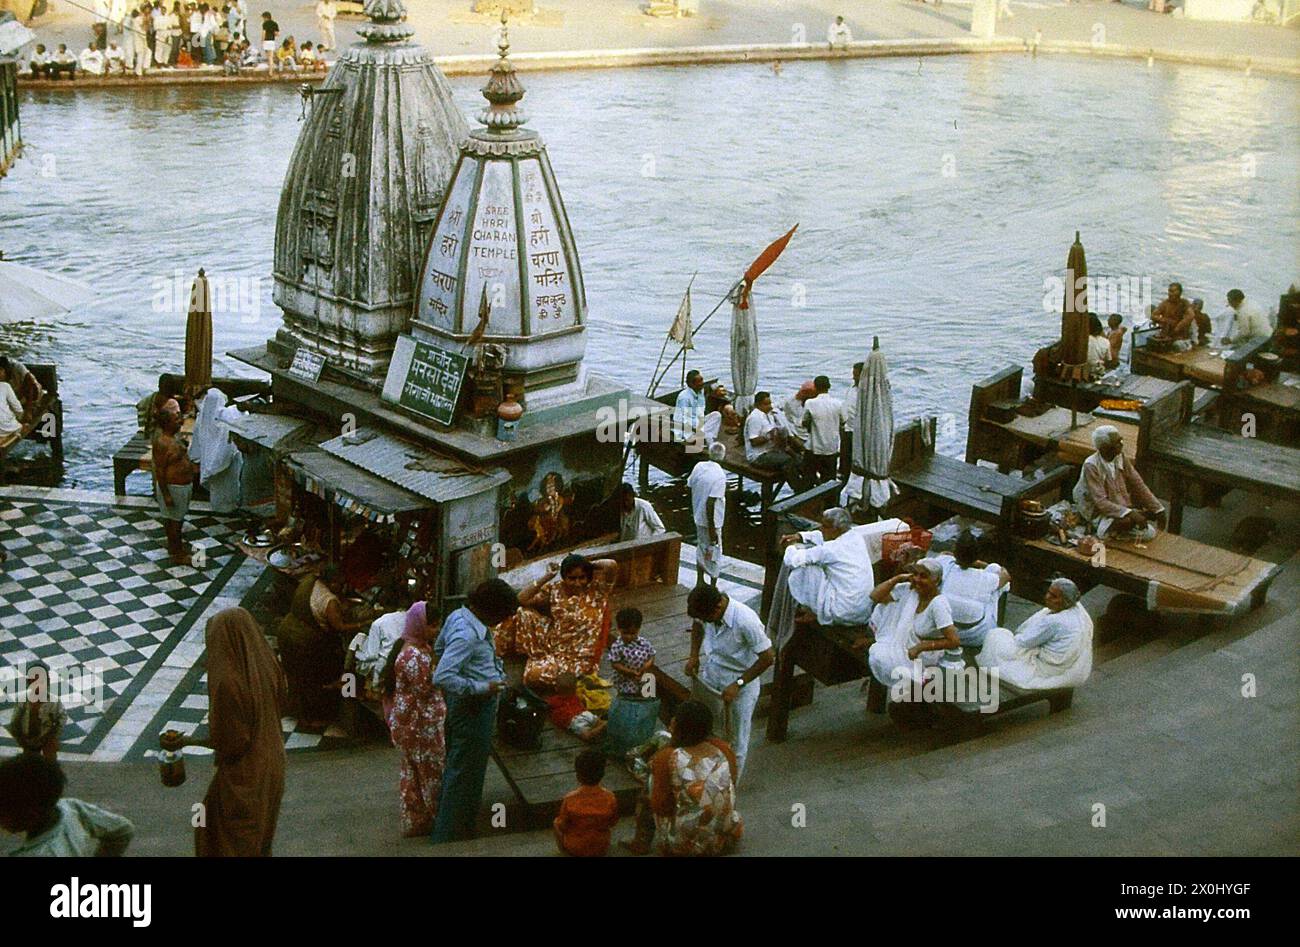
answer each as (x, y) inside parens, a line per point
(343, 801)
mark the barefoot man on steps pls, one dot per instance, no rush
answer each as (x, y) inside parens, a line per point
(173, 477)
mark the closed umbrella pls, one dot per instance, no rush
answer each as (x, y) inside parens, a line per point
(873, 431)
(198, 338)
(744, 353)
(28, 294)
(1074, 319)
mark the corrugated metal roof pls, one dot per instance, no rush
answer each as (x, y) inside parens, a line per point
(344, 478)
(412, 467)
(269, 430)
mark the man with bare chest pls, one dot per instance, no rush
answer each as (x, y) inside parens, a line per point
(173, 477)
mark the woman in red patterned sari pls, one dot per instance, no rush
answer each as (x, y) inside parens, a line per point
(415, 712)
(560, 625)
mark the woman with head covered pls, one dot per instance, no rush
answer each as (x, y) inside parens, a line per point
(1052, 648)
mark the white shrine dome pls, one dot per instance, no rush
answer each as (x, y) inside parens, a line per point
(502, 236)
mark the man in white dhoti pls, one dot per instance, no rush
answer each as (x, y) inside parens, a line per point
(141, 53)
(637, 518)
(838, 34)
(92, 61)
(708, 486)
(1111, 495)
(326, 11)
(1052, 648)
(913, 627)
(219, 460)
(729, 653)
(833, 578)
(974, 590)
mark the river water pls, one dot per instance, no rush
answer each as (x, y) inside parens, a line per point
(934, 199)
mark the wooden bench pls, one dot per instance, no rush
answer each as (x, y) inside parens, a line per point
(540, 777)
(1015, 443)
(953, 486)
(1273, 408)
(1198, 364)
(1170, 444)
(1170, 573)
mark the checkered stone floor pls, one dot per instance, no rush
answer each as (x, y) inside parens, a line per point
(187, 711)
(87, 586)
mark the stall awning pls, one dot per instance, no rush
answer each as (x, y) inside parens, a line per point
(354, 490)
(271, 431)
(418, 469)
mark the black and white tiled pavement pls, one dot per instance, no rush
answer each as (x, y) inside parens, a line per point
(87, 586)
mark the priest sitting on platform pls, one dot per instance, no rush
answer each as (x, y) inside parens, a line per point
(831, 579)
(1111, 495)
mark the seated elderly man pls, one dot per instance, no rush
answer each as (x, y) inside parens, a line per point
(1111, 495)
(833, 578)
(1052, 648)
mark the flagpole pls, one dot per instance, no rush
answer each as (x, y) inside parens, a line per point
(664, 348)
(682, 350)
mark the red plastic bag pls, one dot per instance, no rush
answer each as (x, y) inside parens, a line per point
(898, 546)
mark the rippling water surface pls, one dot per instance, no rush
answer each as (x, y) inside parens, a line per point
(933, 198)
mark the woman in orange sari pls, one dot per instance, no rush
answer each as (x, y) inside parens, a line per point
(560, 625)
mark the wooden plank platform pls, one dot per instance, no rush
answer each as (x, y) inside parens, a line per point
(648, 579)
(969, 490)
(1169, 443)
(1051, 430)
(1170, 573)
(1201, 364)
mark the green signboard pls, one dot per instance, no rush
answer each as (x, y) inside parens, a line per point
(432, 383)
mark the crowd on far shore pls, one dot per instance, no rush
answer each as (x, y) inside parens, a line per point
(146, 38)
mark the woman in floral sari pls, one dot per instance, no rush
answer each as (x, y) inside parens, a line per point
(561, 625)
(416, 714)
(693, 789)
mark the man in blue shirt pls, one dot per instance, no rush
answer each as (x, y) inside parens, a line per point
(471, 676)
(688, 412)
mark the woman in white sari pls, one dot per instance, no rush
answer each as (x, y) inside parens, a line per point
(218, 458)
(913, 626)
(974, 590)
(1052, 648)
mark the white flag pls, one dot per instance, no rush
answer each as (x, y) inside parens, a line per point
(681, 328)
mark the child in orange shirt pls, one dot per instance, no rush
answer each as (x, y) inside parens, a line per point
(589, 813)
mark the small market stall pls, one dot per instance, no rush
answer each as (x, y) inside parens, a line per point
(400, 522)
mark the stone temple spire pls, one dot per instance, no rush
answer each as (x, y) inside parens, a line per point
(360, 197)
(385, 24)
(502, 234)
(503, 90)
